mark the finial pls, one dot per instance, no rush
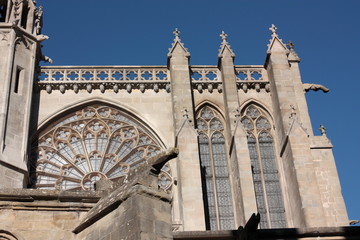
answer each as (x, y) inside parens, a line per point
(223, 36)
(291, 45)
(176, 42)
(237, 115)
(224, 44)
(293, 111)
(322, 130)
(185, 113)
(176, 33)
(273, 29)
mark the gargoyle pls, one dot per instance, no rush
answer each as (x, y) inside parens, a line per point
(314, 87)
(47, 59)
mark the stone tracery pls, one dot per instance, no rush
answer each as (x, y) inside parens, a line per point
(97, 142)
(264, 168)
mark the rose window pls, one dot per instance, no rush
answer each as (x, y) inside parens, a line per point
(97, 142)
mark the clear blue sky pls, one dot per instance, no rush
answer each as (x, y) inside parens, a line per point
(326, 36)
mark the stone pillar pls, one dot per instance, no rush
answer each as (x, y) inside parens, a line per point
(19, 56)
(240, 167)
(302, 108)
(248, 199)
(301, 183)
(188, 162)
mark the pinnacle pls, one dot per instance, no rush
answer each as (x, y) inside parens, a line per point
(177, 40)
(225, 44)
(293, 55)
(275, 41)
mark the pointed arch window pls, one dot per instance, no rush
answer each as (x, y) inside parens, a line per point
(214, 171)
(93, 143)
(268, 192)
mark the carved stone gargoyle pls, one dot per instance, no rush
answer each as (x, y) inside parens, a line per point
(145, 174)
(314, 87)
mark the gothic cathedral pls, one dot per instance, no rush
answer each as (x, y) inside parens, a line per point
(233, 140)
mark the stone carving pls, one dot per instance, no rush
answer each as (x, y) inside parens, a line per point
(4, 36)
(102, 78)
(322, 130)
(16, 10)
(273, 29)
(123, 187)
(23, 40)
(252, 78)
(314, 87)
(168, 88)
(293, 112)
(62, 88)
(237, 115)
(177, 40)
(176, 33)
(76, 88)
(225, 44)
(38, 20)
(185, 113)
(47, 59)
(293, 55)
(42, 37)
(102, 88)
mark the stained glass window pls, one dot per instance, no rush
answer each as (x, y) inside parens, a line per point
(265, 173)
(214, 170)
(93, 143)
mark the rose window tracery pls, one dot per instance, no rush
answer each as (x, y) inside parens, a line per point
(97, 142)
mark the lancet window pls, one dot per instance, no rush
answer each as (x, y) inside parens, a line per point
(265, 173)
(214, 170)
(93, 143)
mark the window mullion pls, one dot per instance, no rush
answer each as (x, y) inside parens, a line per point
(214, 181)
(262, 176)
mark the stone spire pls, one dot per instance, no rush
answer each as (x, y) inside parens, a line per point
(225, 46)
(276, 44)
(293, 57)
(177, 43)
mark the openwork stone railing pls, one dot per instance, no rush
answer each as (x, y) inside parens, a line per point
(206, 77)
(143, 78)
(247, 77)
(76, 78)
(252, 77)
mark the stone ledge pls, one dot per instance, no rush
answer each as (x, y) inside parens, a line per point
(30, 195)
(46, 206)
(281, 233)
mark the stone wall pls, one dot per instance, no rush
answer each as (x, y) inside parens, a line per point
(139, 217)
(42, 220)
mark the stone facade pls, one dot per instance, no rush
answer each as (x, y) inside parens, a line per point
(243, 132)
